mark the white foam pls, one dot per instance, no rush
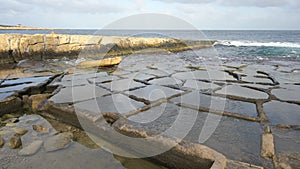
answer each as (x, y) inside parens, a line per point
(252, 43)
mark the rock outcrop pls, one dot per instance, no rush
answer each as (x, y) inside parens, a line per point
(16, 47)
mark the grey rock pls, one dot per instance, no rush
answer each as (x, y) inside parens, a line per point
(154, 93)
(236, 90)
(122, 85)
(113, 103)
(288, 93)
(198, 85)
(78, 93)
(58, 142)
(31, 149)
(167, 81)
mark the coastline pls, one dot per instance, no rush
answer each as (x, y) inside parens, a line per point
(24, 28)
(16, 47)
(258, 95)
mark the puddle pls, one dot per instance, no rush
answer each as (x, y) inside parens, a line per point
(282, 113)
(197, 100)
(82, 153)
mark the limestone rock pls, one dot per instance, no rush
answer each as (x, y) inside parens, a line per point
(10, 124)
(58, 142)
(37, 99)
(16, 47)
(240, 165)
(31, 149)
(40, 128)
(15, 142)
(267, 147)
(101, 63)
(20, 131)
(1, 142)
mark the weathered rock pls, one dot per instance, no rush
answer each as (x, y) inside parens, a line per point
(31, 149)
(1, 142)
(240, 165)
(8, 116)
(10, 105)
(287, 161)
(267, 146)
(198, 85)
(101, 63)
(182, 155)
(10, 124)
(37, 99)
(287, 92)
(236, 90)
(58, 142)
(11, 120)
(20, 131)
(153, 93)
(24, 46)
(122, 85)
(112, 103)
(78, 93)
(39, 128)
(15, 142)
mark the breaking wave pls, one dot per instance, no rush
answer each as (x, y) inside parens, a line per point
(258, 44)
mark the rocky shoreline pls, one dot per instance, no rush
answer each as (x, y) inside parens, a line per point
(141, 98)
(20, 27)
(16, 47)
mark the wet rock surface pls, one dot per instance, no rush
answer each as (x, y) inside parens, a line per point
(223, 106)
(282, 113)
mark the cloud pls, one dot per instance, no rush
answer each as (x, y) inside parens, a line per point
(78, 6)
(13, 6)
(211, 14)
(256, 3)
(239, 3)
(188, 1)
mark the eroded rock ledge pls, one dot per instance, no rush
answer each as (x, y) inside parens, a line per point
(16, 47)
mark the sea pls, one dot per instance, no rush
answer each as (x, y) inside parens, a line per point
(241, 45)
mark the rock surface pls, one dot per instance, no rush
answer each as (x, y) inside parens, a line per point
(15, 142)
(101, 63)
(31, 149)
(58, 142)
(267, 147)
(1, 142)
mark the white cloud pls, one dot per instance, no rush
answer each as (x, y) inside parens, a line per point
(205, 14)
(236, 3)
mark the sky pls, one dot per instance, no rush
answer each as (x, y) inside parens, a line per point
(203, 14)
